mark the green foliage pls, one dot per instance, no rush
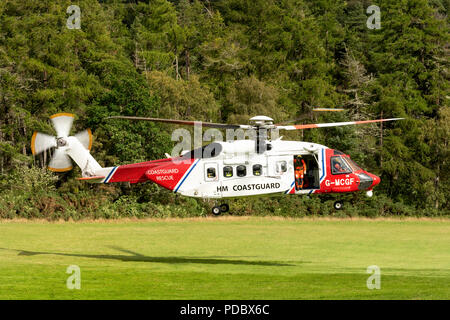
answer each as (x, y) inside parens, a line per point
(181, 99)
(224, 60)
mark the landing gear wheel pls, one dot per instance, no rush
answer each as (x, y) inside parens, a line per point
(216, 210)
(338, 205)
(224, 207)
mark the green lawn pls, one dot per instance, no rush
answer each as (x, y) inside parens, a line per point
(255, 258)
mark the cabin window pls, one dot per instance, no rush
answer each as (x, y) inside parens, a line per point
(241, 171)
(281, 166)
(227, 172)
(339, 166)
(211, 173)
(257, 169)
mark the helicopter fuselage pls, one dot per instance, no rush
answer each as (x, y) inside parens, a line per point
(233, 169)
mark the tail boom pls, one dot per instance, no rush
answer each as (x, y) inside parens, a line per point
(164, 172)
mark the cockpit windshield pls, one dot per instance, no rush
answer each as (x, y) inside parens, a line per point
(353, 164)
(339, 165)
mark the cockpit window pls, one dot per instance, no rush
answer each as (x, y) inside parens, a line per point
(209, 151)
(352, 164)
(339, 166)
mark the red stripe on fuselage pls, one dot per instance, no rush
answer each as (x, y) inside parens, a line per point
(135, 172)
(169, 174)
(165, 172)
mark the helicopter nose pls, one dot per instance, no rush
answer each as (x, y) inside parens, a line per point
(376, 180)
(367, 181)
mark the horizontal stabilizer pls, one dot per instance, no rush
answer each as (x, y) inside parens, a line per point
(96, 179)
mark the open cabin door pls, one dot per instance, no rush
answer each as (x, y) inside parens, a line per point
(306, 172)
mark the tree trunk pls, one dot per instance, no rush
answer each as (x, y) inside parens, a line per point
(381, 141)
(177, 74)
(136, 58)
(24, 127)
(188, 65)
(436, 187)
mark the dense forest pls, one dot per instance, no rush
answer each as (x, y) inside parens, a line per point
(225, 61)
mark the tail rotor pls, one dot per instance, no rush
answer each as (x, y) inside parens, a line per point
(41, 142)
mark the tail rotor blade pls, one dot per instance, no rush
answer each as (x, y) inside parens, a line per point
(60, 162)
(41, 142)
(85, 137)
(62, 122)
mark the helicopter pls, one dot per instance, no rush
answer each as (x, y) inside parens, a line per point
(220, 170)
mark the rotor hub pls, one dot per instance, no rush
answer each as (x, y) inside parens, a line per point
(61, 142)
(262, 121)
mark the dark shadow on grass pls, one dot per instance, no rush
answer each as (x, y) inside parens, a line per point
(137, 257)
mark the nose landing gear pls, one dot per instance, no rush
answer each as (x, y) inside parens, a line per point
(338, 205)
(217, 210)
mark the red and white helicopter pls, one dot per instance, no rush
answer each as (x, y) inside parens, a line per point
(219, 170)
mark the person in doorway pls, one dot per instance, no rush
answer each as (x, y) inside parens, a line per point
(300, 170)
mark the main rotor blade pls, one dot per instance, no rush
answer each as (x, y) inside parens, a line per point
(41, 142)
(332, 124)
(308, 114)
(186, 122)
(328, 109)
(62, 122)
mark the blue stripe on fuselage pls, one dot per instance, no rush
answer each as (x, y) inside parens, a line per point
(110, 174)
(323, 165)
(287, 191)
(189, 172)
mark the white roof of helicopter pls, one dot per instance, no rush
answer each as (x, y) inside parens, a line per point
(278, 146)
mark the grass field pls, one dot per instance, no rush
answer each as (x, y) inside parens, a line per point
(226, 258)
